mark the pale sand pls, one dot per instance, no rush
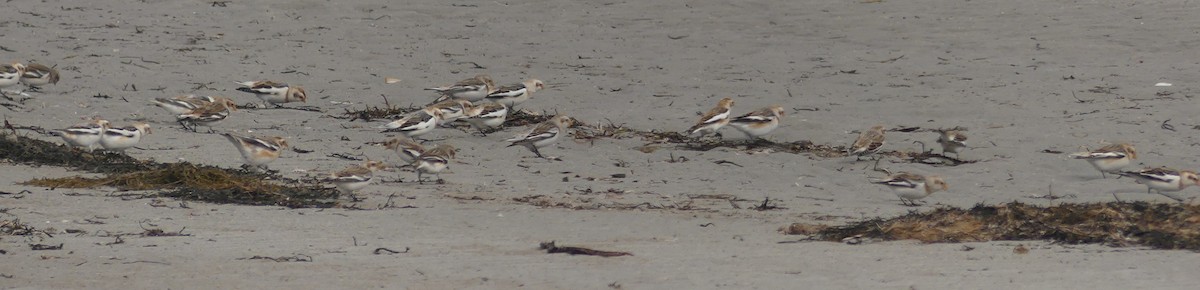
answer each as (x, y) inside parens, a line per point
(1024, 76)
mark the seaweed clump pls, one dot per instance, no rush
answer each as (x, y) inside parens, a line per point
(590, 132)
(29, 151)
(1161, 226)
(179, 180)
(388, 111)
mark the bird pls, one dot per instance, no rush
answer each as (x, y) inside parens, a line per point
(85, 135)
(542, 135)
(415, 123)
(355, 177)
(486, 115)
(36, 75)
(119, 139)
(208, 115)
(183, 104)
(275, 93)
(1162, 180)
(714, 119)
(910, 187)
(408, 150)
(472, 89)
(515, 94)
(10, 75)
(758, 123)
(951, 141)
(257, 152)
(1110, 158)
(452, 110)
(434, 161)
(868, 142)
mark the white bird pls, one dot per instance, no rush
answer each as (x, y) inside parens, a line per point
(1109, 159)
(452, 110)
(758, 123)
(408, 150)
(472, 89)
(119, 139)
(542, 135)
(274, 93)
(257, 152)
(434, 161)
(355, 177)
(487, 115)
(415, 123)
(515, 94)
(714, 119)
(85, 135)
(37, 75)
(910, 187)
(1162, 180)
(10, 75)
(183, 104)
(207, 115)
(952, 141)
(868, 142)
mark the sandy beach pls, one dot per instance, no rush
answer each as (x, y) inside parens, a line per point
(1031, 80)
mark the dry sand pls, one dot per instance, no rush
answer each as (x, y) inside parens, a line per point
(1024, 76)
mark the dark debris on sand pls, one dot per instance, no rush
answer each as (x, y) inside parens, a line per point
(180, 180)
(590, 132)
(551, 248)
(367, 114)
(29, 151)
(1161, 226)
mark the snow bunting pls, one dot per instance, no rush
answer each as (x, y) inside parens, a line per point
(515, 94)
(868, 142)
(487, 115)
(183, 104)
(415, 123)
(452, 110)
(716, 118)
(1163, 180)
(355, 177)
(435, 161)
(84, 135)
(472, 89)
(758, 123)
(910, 187)
(951, 141)
(119, 139)
(542, 135)
(408, 149)
(37, 75)
(208, 115)
(1110, 158)
(274, 93)
(10, 74)
(257, 152)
